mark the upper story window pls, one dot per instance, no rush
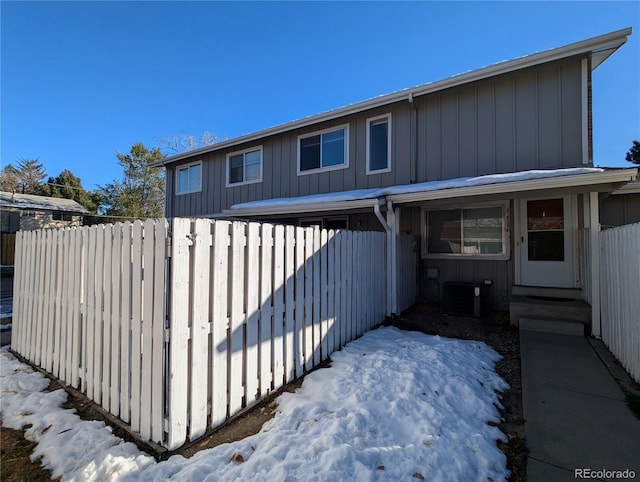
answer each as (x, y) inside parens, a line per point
(379, 144)
(323, 151)
(189, 178)
(473, 232)
(244, 167)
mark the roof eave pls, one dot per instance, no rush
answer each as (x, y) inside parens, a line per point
(602, 181)
(302, 208)
(605, 45)
(578, 180)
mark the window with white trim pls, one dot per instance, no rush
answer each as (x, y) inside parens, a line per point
(473, 232)
(324, 150)
(244, 167)
(379, 144)
(189, 178)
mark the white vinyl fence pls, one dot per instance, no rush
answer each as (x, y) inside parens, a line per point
(176, 330)
(620, 294)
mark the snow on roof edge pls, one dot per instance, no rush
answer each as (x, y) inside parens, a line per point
(360, 194)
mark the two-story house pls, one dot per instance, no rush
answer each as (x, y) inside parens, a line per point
(490, 170)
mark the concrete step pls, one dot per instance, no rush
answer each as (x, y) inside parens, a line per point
(566, 327)
(549, 309)
(567, 293)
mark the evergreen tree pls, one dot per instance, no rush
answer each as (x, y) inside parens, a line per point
(66, 185)
(9, 179)
(140, 193)
(31, 173)
(633, 155)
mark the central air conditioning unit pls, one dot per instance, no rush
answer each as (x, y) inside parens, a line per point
(462, 298)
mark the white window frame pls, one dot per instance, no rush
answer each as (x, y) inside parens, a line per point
(243, 152)
(370, 121)
(506, 237)
(186, 167)
(345, 165)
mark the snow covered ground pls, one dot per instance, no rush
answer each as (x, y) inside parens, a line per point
(394, 405)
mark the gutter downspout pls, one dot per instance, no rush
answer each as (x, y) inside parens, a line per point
(391, 228)
(389, 232)
(413, 149)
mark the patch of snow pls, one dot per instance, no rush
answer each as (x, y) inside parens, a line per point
(392, 404)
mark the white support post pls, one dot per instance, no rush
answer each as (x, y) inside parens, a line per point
(594, 232)
(396, 260)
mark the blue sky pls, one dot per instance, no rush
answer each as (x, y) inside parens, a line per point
(83, 80)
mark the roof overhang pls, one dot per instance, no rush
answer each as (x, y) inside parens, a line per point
(630, 188)
(598, 48)
(303, 207)
(508, 185)
(603, 181)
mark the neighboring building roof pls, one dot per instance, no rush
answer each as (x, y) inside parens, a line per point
(600, 48)
(434, 190)
(40, 203)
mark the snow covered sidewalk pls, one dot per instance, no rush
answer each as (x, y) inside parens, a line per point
(394, 405)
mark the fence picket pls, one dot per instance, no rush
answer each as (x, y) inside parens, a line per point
(62, 325)
(62, 314)
(317, 270)
(299, 322)
(201, 236)
(266, 309)
(278, 308)
(334, 287)
(113, 363)
(253, 312)
(49, 277)
(324, 294)
(220, 341)
(178, 368)
(136, 322)
(125, 318)
(236, 382)
(159, 320)
(308, 299)
(106, 314)
(290, 333)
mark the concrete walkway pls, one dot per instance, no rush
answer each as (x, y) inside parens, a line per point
(576, 415)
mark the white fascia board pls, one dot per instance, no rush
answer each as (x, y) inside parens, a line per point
(303, 208)
(591, 179)
(604, 43)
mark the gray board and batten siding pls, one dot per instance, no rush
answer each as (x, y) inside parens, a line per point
(526, 119)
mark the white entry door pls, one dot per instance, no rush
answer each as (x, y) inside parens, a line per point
(547, 245)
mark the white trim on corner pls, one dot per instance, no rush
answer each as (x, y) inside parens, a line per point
(506, 231)
(177, 180)
(585, 110)
(319, 133)
(371, 120)
(228, 182)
